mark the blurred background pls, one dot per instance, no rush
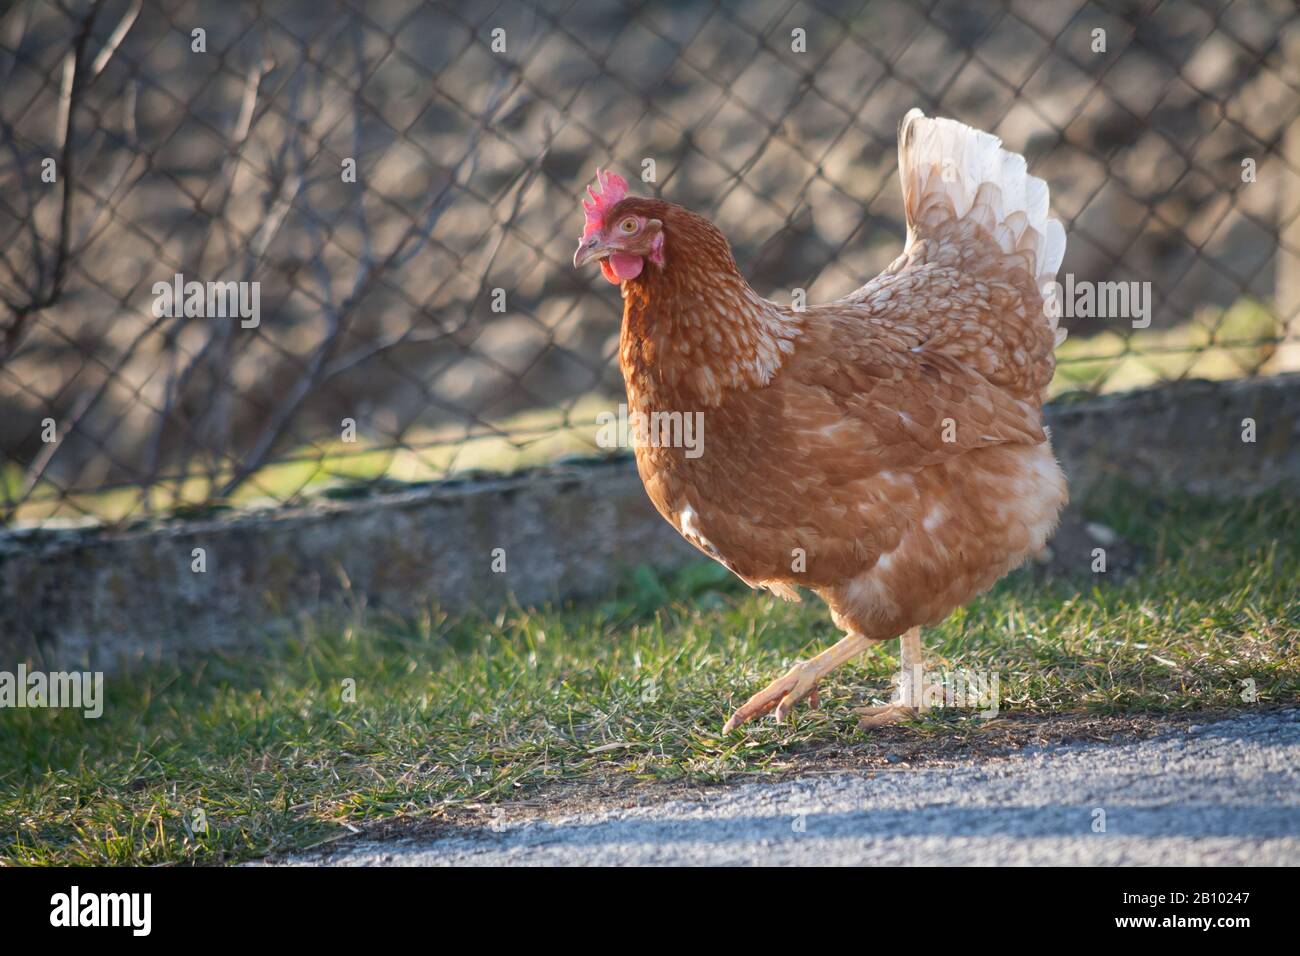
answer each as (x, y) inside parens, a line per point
(1173, 156)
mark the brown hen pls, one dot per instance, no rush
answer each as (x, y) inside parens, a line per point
(885, 450)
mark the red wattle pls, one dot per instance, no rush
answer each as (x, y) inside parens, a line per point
(621, 265)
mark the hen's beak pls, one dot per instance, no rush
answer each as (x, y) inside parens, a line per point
(593, 248)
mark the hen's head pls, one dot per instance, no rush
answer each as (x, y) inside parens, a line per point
(622, 232)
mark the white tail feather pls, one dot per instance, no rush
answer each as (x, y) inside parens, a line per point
(980, 178)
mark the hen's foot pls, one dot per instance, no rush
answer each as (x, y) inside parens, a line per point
(887, 714)
(797, 683)
(782, 694)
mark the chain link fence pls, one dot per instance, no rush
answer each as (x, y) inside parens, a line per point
(379, 202)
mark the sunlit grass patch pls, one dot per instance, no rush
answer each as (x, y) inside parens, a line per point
(1216, 344)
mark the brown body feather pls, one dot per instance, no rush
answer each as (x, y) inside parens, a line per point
(885, 450)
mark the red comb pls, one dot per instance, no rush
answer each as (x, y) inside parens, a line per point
(613, 188)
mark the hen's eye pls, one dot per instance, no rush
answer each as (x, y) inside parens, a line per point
(628, 226)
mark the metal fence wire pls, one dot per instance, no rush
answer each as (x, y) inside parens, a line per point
(400, 181)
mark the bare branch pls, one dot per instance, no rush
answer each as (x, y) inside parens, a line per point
(69, 97)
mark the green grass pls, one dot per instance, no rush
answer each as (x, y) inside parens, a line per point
(1215, 344)
(460, 710)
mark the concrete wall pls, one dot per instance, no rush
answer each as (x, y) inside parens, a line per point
(104, 597)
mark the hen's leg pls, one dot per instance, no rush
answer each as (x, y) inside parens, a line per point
(910, 698)
(798, 682)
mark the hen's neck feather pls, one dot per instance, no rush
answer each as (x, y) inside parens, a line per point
(694, 329)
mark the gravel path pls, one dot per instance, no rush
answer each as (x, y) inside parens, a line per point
(1226, 793)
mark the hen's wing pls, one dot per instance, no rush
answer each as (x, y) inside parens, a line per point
(830, 457)
(882, 401)
(975, 280)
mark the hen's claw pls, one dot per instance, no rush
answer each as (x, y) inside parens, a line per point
(899, 710)
(797, 683)
(883, 716)
(782, 694)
